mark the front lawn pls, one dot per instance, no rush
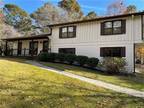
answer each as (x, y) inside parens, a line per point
(25, 86)
(135, 82)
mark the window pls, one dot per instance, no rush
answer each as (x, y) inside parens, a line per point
(117, 27)
(112, 52)
(108, 28)
(67, 32)
(113, 27)
(67, 50)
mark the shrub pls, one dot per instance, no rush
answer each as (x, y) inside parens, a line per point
(70, 58)
(114, 65)
(47, 57)
(51, 57)
(60, 57)
(92, 62)
(43, 56)
(81, 60)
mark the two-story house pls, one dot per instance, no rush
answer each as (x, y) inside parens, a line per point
(110, 36)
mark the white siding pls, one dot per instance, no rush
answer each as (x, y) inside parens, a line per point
(90, 33)
(88, 39)
(137, 29)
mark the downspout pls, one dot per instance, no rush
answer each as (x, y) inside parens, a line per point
(142, 25)
(50, 39)
(133, 41)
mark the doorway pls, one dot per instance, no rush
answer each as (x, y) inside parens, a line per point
(33, 48)
(19, 51)
(45, 46)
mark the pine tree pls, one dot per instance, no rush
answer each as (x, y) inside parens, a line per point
(17, 17)
(73, 8)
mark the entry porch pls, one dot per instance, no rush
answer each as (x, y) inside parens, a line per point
(26, 46)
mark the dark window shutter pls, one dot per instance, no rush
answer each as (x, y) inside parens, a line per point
(123, 52)
(74, 31)
(60, 32)
(102, 28)
(102, 52)
(123, 26)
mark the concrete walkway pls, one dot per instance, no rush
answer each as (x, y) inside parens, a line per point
(116, 88)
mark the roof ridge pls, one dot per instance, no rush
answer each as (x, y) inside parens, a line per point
(95, 19)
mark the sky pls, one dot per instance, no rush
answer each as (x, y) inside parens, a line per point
(99, 6)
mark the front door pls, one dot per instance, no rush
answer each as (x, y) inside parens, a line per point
(45, 46)
(33, 48)
(19, 48)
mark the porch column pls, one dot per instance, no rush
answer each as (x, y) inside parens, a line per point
(32, 53)
(49, 46)
(17, 48)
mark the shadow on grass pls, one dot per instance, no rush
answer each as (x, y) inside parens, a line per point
(14, 59)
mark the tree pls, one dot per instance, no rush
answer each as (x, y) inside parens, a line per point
(1, 16)
(91, 15)
(49, 14)
(1, 12)
(131, 9)
(72, 7)
(8, 31)
(116, 8)
(17, 18)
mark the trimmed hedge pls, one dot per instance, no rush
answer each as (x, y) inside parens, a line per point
(92, 62)
(43, 56)
(51, 57)
(46, 57)
(60, 57)
(81, 60)
(68, 58)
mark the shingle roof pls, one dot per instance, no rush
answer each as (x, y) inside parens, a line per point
(97, 19)
(41, 36)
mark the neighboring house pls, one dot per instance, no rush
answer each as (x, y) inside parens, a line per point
(110, 36)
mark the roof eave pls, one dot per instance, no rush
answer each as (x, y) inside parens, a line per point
(97, 19)
(43, 36)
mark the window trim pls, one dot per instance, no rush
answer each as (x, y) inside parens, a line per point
(67, 27)
(112, 21)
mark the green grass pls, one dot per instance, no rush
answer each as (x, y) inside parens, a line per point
(135, 82)
(25, 86)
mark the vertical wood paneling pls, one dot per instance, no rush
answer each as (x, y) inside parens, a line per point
(90, 33)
